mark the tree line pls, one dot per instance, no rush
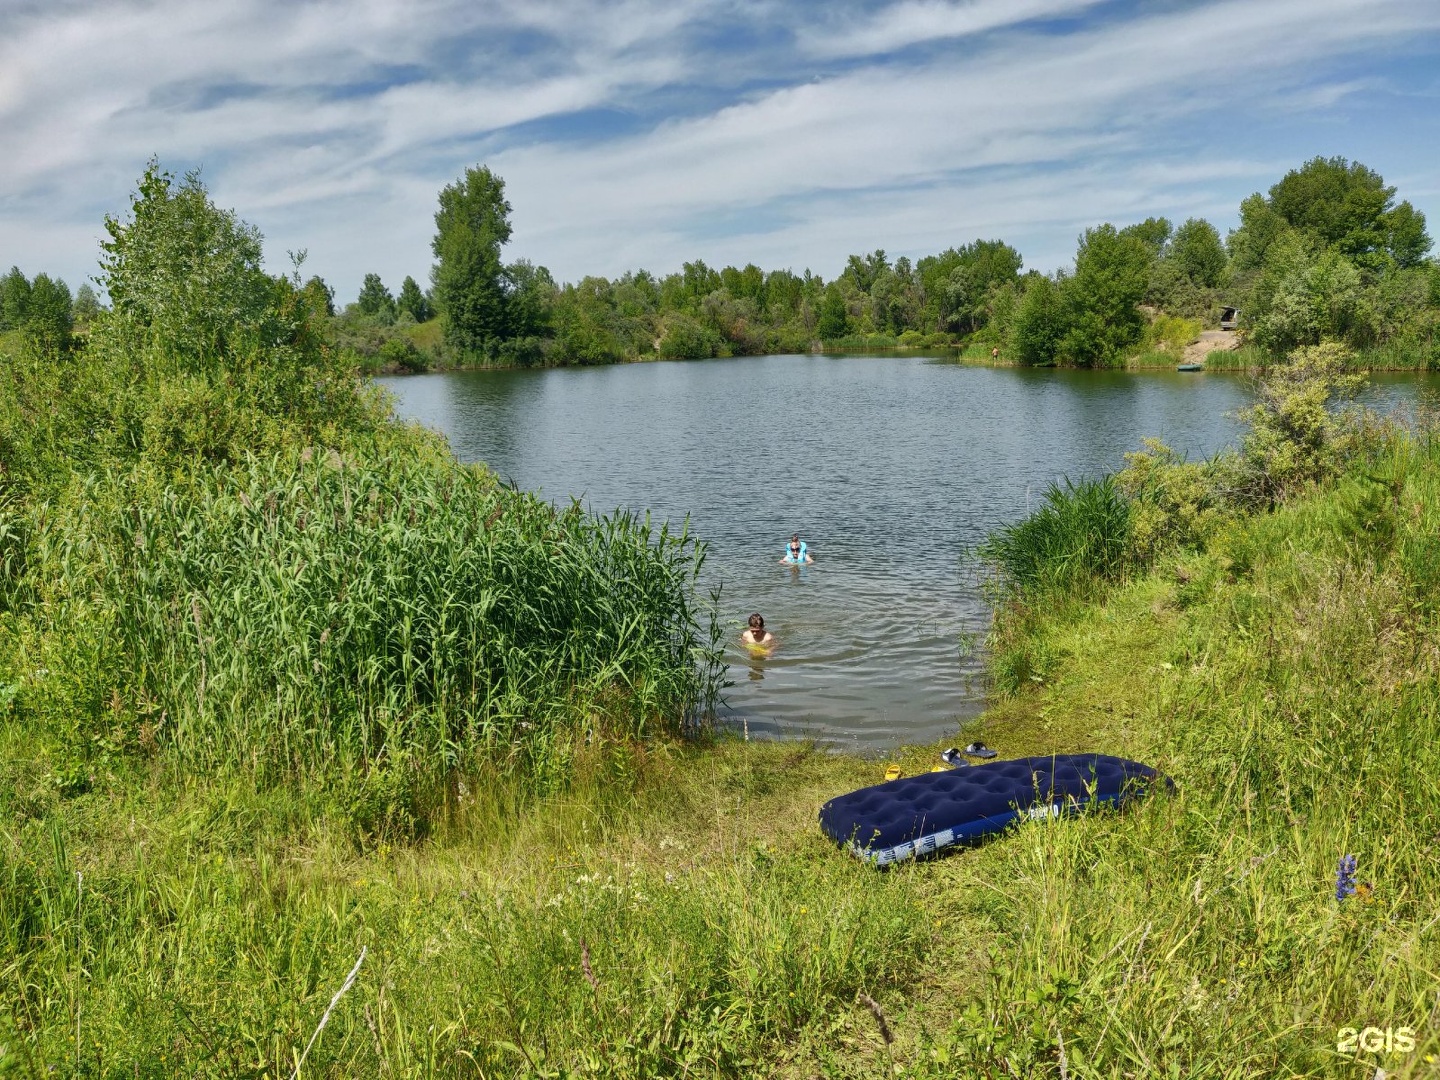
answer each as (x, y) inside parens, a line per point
(1327, 254)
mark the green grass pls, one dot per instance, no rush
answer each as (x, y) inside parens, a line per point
(1286, 679)
(1245, 358)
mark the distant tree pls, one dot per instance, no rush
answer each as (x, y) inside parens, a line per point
(320, 295)
(1102, 298)
(1198, 252)
(375, 298)
(1039, 322)
(1153, 232)
(471, 226)
(414, 301)
(1349, 207)
(958, 283)
(1407, 240)
(86, 306)
(14, 298)
(1260, 227)
(862, 270)
(184, 277)
(530, 298)
(49, 317)
(834, 320)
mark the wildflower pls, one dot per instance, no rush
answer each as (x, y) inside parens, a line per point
(1345, 877)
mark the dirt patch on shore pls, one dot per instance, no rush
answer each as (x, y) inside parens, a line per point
(1210, 341)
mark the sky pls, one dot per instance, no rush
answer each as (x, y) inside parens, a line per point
(647, 133)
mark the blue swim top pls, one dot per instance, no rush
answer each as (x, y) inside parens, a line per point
(794, 558)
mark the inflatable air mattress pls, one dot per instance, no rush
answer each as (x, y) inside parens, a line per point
(920, 815)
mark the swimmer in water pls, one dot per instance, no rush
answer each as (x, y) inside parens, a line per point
(795, 554)
(756, 635)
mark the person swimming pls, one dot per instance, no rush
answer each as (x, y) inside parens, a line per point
(796, 554)
(756, 635)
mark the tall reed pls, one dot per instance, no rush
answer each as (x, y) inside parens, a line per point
(291, 612)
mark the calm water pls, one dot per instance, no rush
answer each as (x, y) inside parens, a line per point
(889, 468)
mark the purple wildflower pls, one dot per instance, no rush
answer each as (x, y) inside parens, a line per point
(1345, 877)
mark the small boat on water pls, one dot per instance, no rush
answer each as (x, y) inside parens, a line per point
(1190, 367)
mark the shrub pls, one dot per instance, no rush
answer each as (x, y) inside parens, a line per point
(1080, 535)
(400, 352)
(1173, 502)
(685, 339)
(1298, 435)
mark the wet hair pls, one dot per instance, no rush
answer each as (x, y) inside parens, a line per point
(795, 539)
(757, 621)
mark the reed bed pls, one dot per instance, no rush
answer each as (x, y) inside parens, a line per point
(297, 615)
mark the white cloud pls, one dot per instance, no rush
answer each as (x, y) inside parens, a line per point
(301, 122)
(914, 21)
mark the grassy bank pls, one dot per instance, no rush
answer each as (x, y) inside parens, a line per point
(674, 911)
(323, 755)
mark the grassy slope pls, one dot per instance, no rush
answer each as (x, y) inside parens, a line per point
(1287, 681)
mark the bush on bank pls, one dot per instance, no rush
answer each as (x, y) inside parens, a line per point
(217, 546)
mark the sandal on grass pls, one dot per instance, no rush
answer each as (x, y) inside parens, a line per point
(980, 750)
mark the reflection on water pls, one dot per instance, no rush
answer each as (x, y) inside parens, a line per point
(890, 469)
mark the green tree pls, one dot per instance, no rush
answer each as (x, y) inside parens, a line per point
(414, 301)
(471, 226)
(1102, 298)
(14, 298)
(87, 305)
(834, 320)
(1260, 227)
(49, 316)
(320, 295)
(1198, 252)
(184, 277)
(1039, 322)
(530, 294)
(375, 298)
(1153, 232)
(1350, 207)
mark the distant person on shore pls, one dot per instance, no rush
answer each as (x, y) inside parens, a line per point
(756, 636)
(795, 554)
(995, 355)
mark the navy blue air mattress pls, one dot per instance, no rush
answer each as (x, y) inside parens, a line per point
(920, 815)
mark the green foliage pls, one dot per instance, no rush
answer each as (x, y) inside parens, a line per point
(1101, 299)
(319, 296)
(1298, 435)
(375, 298)
(185, 280)
(400, 352)
(48, 315)
(1199, 253)
(86, 305)
(1078, 536)
(1154, 233)
(412, 300)
(685, 339)
(14, 299)
(834, 317)
(1349, 207)
(1039, 322)
(471, 226)
(294, 614)
(1174, 504)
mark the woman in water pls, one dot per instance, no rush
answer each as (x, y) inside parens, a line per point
(757, 636)
(795, 554)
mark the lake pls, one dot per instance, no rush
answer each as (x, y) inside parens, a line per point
(890, 468)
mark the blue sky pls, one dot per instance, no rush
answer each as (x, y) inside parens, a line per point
(651, 132)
